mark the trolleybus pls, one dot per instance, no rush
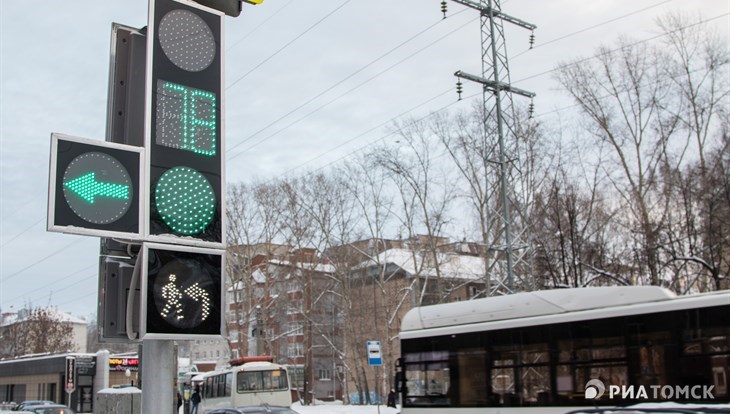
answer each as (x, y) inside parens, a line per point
(249, 381)
(559, 350)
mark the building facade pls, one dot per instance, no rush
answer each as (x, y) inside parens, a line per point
(315, 311)
(41, 330)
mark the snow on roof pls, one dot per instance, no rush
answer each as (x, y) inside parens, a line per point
(317, 267)
(451, 265)
(10, 318)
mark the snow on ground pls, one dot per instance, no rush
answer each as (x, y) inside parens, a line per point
(339, 408)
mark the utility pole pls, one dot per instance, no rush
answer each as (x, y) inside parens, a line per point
(499, 128)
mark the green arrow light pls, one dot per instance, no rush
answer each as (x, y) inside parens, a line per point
(88, 188)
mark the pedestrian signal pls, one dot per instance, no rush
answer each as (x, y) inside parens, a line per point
(181, 292)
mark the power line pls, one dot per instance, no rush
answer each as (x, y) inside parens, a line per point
(622, 47)
(54, 282)
(289, 43)
(41, 260)
(371, 130)
(341, 81)
(21, 233)
(591, 27)
(259, 25)
(352, 89)
(521, 80)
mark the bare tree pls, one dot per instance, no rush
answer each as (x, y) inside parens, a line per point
(621, 94)
(660, 111)
(425, 196)
(253, 227)
(697, 67)
(37, 330)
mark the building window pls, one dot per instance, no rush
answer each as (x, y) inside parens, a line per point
(325, 375)
(296, 328)
(295, 349)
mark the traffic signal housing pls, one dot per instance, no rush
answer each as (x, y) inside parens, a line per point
(230, 7)
(184, 131)
(182, 292)
(94, 188)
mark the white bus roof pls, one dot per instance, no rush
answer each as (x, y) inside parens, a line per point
(548, 306)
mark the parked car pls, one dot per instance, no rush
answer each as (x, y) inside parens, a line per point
(50, 409)
(4, 411)
(29, 403)
(254, 409)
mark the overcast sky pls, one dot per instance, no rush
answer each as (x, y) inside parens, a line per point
(360, 63)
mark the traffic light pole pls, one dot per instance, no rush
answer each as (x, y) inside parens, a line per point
(158, 376)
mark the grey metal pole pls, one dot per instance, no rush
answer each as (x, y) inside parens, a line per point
(158, 377)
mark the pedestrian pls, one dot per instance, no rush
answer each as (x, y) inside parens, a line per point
(179, 401)
(391, 398)
(195, 400)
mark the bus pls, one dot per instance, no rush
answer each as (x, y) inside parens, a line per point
(249, 381)
(559, 350)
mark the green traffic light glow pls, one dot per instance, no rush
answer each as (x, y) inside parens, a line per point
(97, 187)
(88, 188)
(185, 200)
(186, 118)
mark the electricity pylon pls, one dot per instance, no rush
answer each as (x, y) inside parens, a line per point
(504, 145)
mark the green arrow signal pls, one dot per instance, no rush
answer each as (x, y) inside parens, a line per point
(88, 188)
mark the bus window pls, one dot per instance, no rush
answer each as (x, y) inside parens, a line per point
(472, 365)
(274, 380)
(262, 381)
(427, 378)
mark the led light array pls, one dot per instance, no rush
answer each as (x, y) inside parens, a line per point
(185, 200)
(88, 188)
(186, 118)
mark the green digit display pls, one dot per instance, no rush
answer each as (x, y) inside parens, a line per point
(185, 200)
(186, 118)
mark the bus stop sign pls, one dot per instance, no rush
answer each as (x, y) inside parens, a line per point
(375, 356)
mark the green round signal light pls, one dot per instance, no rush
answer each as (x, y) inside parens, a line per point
(185, 200)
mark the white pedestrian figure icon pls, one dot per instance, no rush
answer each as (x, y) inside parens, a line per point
(173, 297)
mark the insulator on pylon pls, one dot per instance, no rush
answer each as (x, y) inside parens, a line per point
(531, 109)
(459, 88)
(532, 39)
(444, 7)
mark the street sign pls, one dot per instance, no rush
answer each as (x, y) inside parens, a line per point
(182, 292)
(375, 356)
(183, 124)
(94, 188)
(70, 374)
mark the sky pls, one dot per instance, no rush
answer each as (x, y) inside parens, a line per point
(307, 84)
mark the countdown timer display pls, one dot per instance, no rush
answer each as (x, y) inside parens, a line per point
(186, 118)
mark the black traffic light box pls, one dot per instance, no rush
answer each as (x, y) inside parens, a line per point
(94, 188)
(181, 292)
(184, 119)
